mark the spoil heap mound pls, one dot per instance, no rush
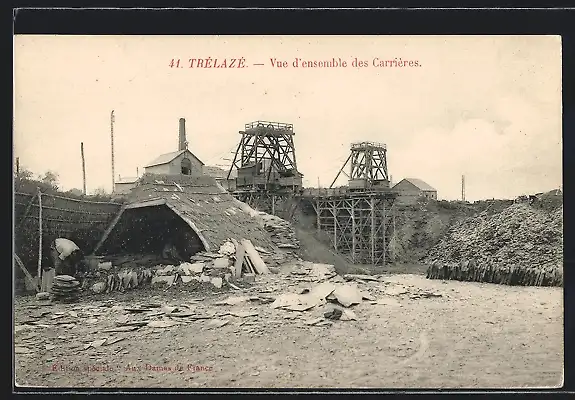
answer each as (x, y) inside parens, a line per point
(521, 245)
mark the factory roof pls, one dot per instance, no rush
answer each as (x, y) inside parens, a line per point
(168, 157)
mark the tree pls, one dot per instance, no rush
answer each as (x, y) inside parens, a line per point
(100, 192)
(23, 175)
(75, 192)
(50, 178)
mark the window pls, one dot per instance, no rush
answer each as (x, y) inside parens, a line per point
(186, 166)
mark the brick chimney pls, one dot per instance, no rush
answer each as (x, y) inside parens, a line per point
(182, 142)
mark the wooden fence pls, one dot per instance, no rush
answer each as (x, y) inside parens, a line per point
(40, 218)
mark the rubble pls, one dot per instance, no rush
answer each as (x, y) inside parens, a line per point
(334, 313)
(42, 296)
(520, 245)
(282, 233)
(347, 295)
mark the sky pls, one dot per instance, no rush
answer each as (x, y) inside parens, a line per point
(487, 107)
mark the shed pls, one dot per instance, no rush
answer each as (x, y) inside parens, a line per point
(193, 213)
(124, 185)
(410, 189)
(175, 163)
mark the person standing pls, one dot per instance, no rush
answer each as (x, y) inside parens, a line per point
(66, 257)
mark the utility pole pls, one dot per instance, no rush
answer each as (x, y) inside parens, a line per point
(83, 168)
(462, 187)
(17, 180)
(112, 120)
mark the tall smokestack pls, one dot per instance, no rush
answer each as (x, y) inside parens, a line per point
(182, 143)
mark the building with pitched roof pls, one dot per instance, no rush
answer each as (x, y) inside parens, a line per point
(182, 162)
(124, 185)
(409, 190)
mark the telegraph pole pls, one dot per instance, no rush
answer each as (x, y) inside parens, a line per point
(83, 168)
(112, 119)
(462, 187)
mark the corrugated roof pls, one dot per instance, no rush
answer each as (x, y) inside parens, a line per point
(420, 184)
(168, 157)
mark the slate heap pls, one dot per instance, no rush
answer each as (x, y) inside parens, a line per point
(65, 288)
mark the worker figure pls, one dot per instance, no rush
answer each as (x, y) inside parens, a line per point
(170, 252)
(67, 258)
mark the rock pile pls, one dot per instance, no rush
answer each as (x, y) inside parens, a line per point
(521, 245)
(282, 232)
(215, 269)
(65, 288)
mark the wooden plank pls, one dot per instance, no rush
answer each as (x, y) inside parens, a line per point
(26, 272)
(240, 252)
(246, 261)
(254, 257)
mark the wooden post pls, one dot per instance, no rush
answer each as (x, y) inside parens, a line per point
(83, 168)
(318, 213)
(384, 235)
(39, 236)
(112, 120)
(353, 232)
(373, 231)
(17, 173)
(26, 273)
(334, 212)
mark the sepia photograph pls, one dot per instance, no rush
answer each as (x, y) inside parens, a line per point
(305, 212)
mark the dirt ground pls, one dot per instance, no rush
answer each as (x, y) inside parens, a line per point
(473, 336)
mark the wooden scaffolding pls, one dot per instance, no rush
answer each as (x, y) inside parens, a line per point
(275, 203)
(359, 225)
(265, 157)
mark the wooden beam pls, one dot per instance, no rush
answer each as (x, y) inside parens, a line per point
(108, 230)
(341, 169)
(373, 231)
(254, 257)
(384, 235)
(240, 252)
(353, 234)
(26, 272)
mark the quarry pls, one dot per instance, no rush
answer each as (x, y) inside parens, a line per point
(246, 278)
